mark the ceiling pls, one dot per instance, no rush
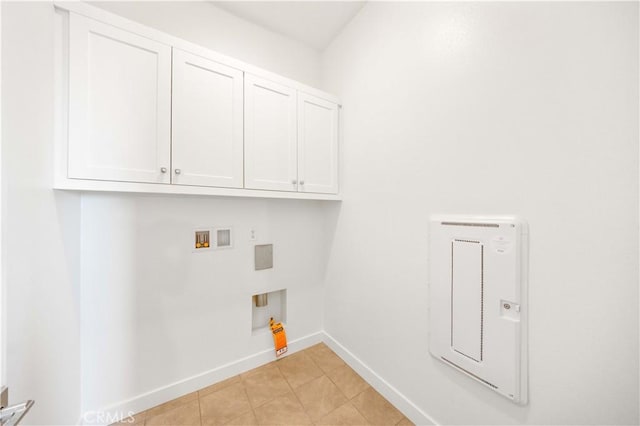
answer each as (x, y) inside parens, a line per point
(314, 23)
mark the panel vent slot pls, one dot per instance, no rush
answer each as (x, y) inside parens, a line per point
(482, 225)
(469, 373)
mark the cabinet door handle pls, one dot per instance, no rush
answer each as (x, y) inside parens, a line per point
(294, 182)
(301, 182)
(163, 169)
(178, 171)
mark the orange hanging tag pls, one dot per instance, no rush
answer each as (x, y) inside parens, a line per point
(279, 337)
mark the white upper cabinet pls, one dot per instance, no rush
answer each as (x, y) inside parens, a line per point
(138, 110)
(317, 145)
(119, 104)
(207, 148)
(270, 135)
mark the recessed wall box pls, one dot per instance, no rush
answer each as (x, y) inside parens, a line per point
(202, 239)
(261, 314)
(223, 238)
(477, 296)
(263, 256)
(261, 300)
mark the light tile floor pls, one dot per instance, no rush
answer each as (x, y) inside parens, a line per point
(313, 386)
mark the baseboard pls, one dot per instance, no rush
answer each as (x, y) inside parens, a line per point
(401, 402)
(109, 415)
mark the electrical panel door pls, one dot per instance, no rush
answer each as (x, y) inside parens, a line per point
(477, 295)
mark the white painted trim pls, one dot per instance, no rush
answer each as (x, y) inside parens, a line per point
(160, 188)
(401, 402)
(159, 36)
(3, 287)
(191, 384)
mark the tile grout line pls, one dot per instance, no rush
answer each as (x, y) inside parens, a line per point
(342, 392)
(305, 353)
(349, 400)
(255, 416)
(357, 409)
(294, 391)
(324, 374)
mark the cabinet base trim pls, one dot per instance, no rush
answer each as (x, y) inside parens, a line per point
(159, 188)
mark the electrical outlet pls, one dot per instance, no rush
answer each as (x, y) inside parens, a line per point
(252, 234)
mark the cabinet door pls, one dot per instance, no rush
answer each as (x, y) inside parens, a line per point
(119, 104)
(317, 145)
(207, 122)
(270, 135)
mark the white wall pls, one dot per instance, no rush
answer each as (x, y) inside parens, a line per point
(488, 108)
(203, 23)
(151, 313)
(41, 228)
(492, 108)
(155, 313)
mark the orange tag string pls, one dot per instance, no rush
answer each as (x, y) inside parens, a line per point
(279, 337)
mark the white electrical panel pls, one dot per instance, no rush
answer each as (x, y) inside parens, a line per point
(477, 295)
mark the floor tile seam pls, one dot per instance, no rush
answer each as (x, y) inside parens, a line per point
(345, 395)
(302, 405)
(271, 399)
(261, 373)
(304, 383)
(384, 399)
(330, 352)
(401, 419)
(217, 390)
(199, 409)
(343, 363)
(346, 400)
(246, 394)
(334, 410)
(173, 408)
(315, 363)
(362, 414)
(198, 396)
(285, 378)
(356, 407)
(252, 408)
(242, 414)
(317, 366)
(252, 372)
